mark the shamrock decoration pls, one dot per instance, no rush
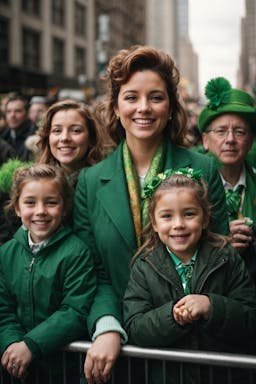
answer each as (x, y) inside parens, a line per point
(150, 187)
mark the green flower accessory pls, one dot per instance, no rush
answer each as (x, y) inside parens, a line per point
(218, 92)
(150, 187)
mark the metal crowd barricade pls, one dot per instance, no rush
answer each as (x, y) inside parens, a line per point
(211, 359)
(147, 355)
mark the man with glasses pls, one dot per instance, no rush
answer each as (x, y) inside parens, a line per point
(227, 124)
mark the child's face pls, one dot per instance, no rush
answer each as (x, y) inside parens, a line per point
(40, 207)
(179, 221)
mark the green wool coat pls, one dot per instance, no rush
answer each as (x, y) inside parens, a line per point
(103, 219)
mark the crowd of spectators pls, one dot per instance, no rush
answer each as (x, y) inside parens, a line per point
(108, 152)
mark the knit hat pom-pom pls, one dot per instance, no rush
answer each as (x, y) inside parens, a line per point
(217, 91)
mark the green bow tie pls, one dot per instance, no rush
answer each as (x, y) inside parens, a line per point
(185, 272)
(233, 200)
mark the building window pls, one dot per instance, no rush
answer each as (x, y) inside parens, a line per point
(80, 67)
(31, 49)
(58, 56)
(4, 2)
(4, 39)
(32, 7)
(80, 19)
(58, 12)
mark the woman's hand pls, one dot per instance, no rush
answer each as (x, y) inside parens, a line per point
(101, 357)
(16, 358)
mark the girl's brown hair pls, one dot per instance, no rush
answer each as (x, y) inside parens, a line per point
(96, 150)
(24, 175)
(200, 189)
(138, 58)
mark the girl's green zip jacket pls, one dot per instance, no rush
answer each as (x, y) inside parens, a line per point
(45, 298)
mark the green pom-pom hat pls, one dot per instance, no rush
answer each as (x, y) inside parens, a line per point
(225, 99)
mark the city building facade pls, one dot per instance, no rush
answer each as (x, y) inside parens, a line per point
(167, 27)
(55, 44)
(119, 25)
(247, 69)
(49, 45)
(46, 44)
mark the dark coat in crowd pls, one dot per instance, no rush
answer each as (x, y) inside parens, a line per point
(25, 130)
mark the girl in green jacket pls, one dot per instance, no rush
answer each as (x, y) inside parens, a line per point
(47, 280)
(188, 288)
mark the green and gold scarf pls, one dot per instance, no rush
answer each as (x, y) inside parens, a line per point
(139, 206)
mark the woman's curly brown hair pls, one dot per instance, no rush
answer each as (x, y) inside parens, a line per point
(122, 66)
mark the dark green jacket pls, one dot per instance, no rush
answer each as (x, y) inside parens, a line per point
(103, 219)
(154, 287)
(45, 299)
(249, 202)
(249, 210)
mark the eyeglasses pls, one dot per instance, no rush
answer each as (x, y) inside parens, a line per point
(238, 132)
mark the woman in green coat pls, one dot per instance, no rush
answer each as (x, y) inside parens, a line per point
(145, 118)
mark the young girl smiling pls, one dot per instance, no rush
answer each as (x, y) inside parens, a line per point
(47, 279)
(188, 287)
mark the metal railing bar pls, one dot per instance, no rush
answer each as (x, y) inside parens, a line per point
(191, 356)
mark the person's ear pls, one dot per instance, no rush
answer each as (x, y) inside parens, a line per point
(17, 211)
(154, 226)
(206, 221)
(205, 140)
(116, 110)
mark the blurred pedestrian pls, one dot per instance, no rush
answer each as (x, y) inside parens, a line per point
(18, 126)
(37, 109)
(2, 120)
(193, 135)
(3, 102)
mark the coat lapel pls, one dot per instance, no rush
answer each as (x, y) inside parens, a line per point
(113, 194)
(115, 199)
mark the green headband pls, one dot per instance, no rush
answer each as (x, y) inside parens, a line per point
(150, 187)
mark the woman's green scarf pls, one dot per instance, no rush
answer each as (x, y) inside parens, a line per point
(139, 206)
